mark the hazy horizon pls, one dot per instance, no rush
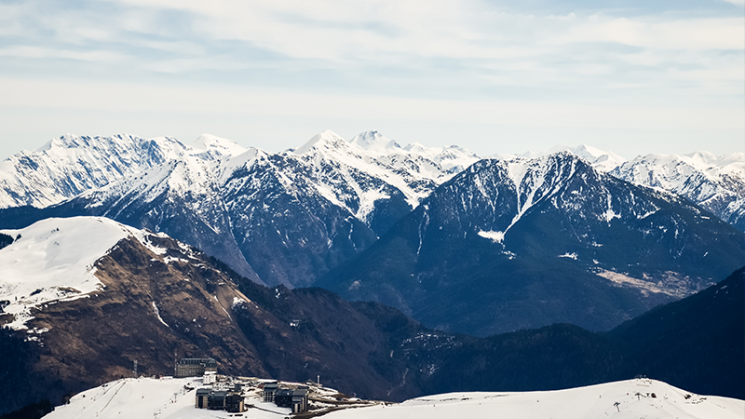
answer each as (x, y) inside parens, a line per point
(491, 76)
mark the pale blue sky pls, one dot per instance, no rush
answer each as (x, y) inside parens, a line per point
(493, 76)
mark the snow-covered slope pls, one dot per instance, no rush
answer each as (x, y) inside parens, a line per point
(717, 183)
(53, 260)
(151, 398)
(352, 171)
(168, 399)
(623, 399)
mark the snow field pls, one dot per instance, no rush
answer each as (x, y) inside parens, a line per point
(168, 399)
(591, 402)
(147, 398)
(53, 260)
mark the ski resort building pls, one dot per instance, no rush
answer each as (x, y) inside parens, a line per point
(296, 399)
(203, 395)
(269, 390)
(216, 400)
(195, 367)
(230, 401)
(234, 403)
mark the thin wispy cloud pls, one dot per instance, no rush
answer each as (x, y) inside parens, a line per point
(468, 51)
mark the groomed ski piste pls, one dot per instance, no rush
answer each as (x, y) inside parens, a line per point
(170, 398)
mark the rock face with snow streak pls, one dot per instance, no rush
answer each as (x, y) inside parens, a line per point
(374, 178)
(716, 183)
(527, 242)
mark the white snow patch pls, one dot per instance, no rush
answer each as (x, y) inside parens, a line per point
(569, 255)
(144, 237)
(226, 312)
(169, 259)
(157, 313)
(516, 170)
(609, 215)
(495, 236)
(237, 301)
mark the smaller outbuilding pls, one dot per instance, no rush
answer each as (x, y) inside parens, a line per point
(270, 389)
(203, 395)
(216, 400)
(283, 397)
(195, 367)
(297, 399)
(234, 403)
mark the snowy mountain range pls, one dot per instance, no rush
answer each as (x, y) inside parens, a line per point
(115, 249)
(716, 183)
(69, 165)
(292, 217)
(275, 218)
(505, 234)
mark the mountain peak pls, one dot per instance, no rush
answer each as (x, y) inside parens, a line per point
(415, 147)
(374, 141)
(601, 160)
(207, 142)
(326, 139)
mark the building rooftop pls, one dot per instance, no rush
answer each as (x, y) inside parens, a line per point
(208, 362)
